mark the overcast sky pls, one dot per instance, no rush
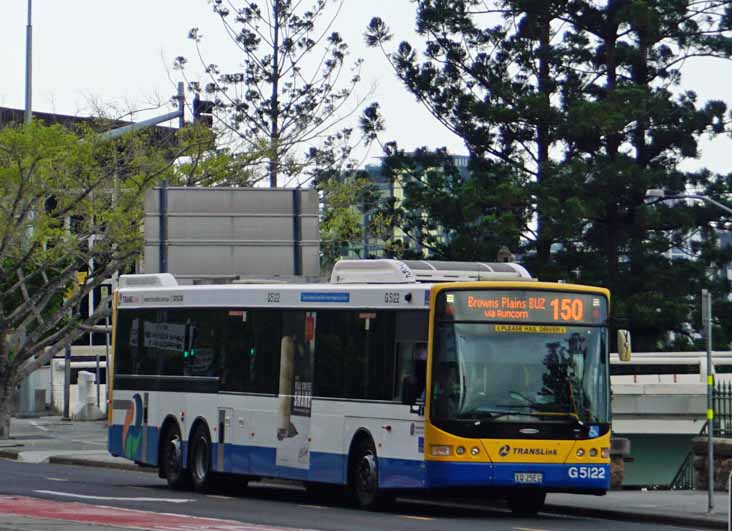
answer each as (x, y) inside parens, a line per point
(121, 53)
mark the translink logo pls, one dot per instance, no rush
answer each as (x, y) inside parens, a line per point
(505, 450)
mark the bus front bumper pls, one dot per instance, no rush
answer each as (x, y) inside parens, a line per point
(590, 477)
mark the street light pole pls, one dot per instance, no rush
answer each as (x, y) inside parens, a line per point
(28, 65)
(661, 196)
(707, 323)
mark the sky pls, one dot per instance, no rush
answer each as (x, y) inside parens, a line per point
(113, 54)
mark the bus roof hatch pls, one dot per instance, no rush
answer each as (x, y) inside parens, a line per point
(154, 280)
(387, 271)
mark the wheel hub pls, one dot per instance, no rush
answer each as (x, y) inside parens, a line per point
(201, 459)
(174, 455)
(367, 473)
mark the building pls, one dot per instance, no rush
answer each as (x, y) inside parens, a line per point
(386, 188)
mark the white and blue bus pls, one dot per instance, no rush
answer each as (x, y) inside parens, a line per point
(395, 376)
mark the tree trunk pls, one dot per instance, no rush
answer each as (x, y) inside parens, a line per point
(544, 241)
(274, 136)
(6, 406)
(612, 148)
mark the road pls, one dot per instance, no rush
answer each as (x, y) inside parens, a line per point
(274, 506)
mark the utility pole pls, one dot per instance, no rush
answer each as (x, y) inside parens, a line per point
(707, 323)
(67, 382)
(28, 65)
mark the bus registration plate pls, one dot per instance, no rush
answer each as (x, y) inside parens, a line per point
(528, 478)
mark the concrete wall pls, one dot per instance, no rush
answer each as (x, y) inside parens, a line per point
(233, 232)
(34, 396)
(78, 401)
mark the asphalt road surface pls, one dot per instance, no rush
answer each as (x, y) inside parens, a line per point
(276, 507)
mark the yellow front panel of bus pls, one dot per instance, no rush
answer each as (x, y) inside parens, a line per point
(447, 446)
(443, 446)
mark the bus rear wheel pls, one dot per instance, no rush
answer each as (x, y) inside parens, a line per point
(201, 459)
(172, 460)
(363, 477)
(526, 502)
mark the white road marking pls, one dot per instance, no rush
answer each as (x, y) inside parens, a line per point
(56, 479)
(89, 442)
(112, 498)
(312, 506)
(219, 497)
(34, 423)
(415, 517)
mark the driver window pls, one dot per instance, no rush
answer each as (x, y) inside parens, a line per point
(411, 352)
(411, 367)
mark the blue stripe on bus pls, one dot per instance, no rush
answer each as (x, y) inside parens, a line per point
(327, 296)
(393, 473)
(443, 474)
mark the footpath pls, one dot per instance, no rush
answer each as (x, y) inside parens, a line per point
(53, 440)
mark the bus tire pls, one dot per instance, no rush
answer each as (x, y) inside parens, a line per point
(200, 459)
(526, 502)
(172, 460)
(363, 476)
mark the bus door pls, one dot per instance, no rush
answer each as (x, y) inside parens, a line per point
(295, 389)
(225, 431)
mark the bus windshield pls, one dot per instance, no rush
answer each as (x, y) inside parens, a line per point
(484, 371)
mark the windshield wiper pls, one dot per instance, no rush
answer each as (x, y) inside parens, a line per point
(538, 410)
(561, 414)
(493, 414)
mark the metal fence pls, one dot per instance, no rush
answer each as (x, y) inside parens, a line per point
(722, 403)
(723, 410)
(685, 478)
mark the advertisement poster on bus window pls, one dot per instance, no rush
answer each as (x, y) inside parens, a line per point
(295, 390)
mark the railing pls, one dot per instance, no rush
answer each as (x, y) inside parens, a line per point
(723, 410)
(685, 477)
(722, 400)
(670, 367)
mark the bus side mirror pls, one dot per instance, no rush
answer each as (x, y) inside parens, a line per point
(409, 391)
(624, 351)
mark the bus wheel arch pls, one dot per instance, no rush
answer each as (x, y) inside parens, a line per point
(363, 472)
(171, 464)
(199, 456)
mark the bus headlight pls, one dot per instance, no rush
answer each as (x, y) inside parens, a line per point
(441, 450)
(474, 450)
(460, 450)
(593, 452)
(605, 452)
(580, 452)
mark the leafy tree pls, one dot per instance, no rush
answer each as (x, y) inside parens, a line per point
(209, 165)
(577, 109)
(65, 200)
(441, 213)
(291, 96)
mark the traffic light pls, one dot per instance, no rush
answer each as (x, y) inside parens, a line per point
(202, 111)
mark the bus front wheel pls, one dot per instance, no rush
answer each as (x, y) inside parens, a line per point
(364, 477)
(172, 462)
(201, 459)
(526, 502)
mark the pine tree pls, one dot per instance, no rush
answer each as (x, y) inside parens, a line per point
(293, 92)
(571, 111)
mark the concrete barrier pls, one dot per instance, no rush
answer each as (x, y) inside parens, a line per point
(86, 407)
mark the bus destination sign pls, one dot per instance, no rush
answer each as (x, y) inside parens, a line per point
(521, 306)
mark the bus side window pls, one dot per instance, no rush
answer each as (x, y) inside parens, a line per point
(237, 350)
(411, 351)
(411, 368)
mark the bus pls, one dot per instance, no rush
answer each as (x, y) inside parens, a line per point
(394, 377)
